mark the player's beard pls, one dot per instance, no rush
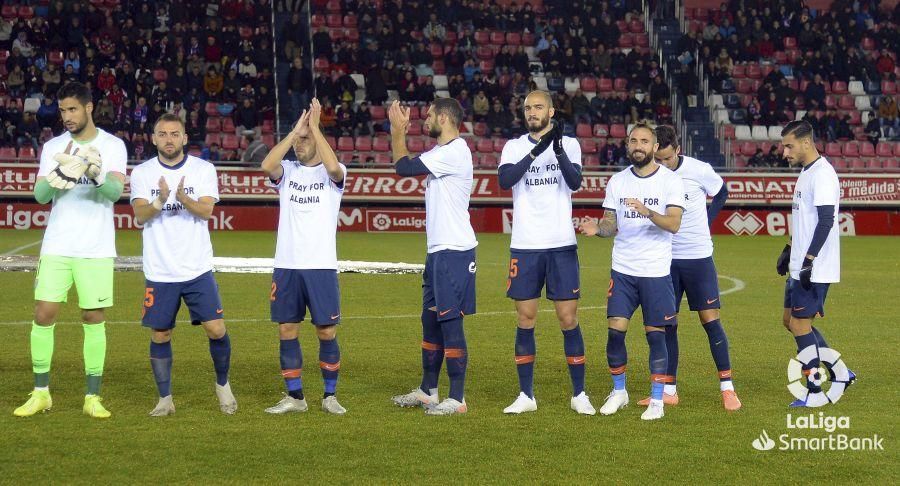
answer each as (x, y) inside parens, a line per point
(78, 128)
(541, 124)
(434, 131)
(173, 153)
(639, 164)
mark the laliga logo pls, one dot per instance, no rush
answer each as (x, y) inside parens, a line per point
(381, 221)
(764, 442)
(739, 224)
(836, 373)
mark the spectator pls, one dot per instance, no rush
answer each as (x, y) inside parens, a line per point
(758, 160)
(298, 84)
(246, 118)
(873, 129)
(815, 93)
(581, 107)
(480, 106)
(362, 120)
(255, 152)
(887, 112)
(213, 83)
(499, 120)
(247, 69)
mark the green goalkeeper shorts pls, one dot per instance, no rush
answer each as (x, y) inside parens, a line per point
(93, 279)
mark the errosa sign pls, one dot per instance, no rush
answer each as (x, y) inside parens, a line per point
(383, 185)
(230, 217)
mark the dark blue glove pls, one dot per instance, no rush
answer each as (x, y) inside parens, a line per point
(806, 273)
(543, 143)
(783, 261)
(557, 139)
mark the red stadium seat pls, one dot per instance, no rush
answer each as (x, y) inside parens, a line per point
(897, 150)
(868, 43)
(498, 38)
(873, 164)
(8, 154)
(211, 108)
(528, 39)
(618, 130)
(601, 130)
(739, 71)
(416, 145)
(378, 112)
(437, 51)
(833, 149)
(268, 126)
(583, 130)
(8, 12)
(471, 143)
(588, 146)
(230, 141)
(486, 65)
(332, 142)
(846, 102)
(482, 37)
(383, 159)
(349, 20)
(489, 161)
(641, 40)
(857, 165)
(839, 87)
(321, 64)
(381, 144)
(888, 87)
(345, 144)
(334, 21)
(866, 149)
(605, 85)
(499, 143)
(484, 52)
(729, 131)
(347, 158)
(830, 101)
(626, 41)
(213, 125)
(55, 57)
(636, 27)
(364, 144)
(333, 6)
(160, 75)
(415, 129)
(484, 145)
(891, 164)
(26, 12)
(26, 153)
(839, 164)
(790, 43)
(212, 138)
(480, 129)
(245, 32)
(268, 140)
(754, 71)
(851, 149)
(884, 149)
(591, 161)
(514, 38)
(620, 84)
(588, 84)
(743, 86)
(748, 148)
(317, 20)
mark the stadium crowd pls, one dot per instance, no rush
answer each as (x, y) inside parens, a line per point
(210, 63)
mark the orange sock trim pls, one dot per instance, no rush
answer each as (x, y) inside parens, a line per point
(430, 346)
(725, 374)
(617, 371)
(454, 352)
(291, 373)
(330, 366)
(575, 360)
(524, 359)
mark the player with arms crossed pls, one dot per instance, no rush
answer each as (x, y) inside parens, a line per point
(813, 257)
(83, 172)
(543, 250)
(644, 204)
(448, 288)
(178, 256)
(693, 268)
(305, 276)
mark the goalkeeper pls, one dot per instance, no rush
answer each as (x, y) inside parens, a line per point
(83, 172)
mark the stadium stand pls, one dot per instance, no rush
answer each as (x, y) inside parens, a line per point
(197, 59)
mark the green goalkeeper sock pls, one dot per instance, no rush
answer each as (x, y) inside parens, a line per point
(41, 353)
(94, 355)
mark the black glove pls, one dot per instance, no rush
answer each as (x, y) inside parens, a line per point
(783, 260)
(806, 273)
(543, 143)
(557, 139)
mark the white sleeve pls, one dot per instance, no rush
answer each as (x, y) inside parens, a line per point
(442, 160)
(139, 187)
(210, 185)
(710, 180)
(115, 158)
(47, 163)
(339, 187)
(509, 152)
(286, 166)
(572, 149)
(610, 200)
(826, 189)
(675, 194)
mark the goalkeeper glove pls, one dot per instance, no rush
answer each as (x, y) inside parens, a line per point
(806, 273)
(783, 260)
(557, 139)
(543, 143)
(94, 165)
(67, 173)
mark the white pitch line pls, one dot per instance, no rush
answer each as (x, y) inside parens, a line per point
(738, 286)
(15, 250)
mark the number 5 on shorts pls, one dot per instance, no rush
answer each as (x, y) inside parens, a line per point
(148, 297)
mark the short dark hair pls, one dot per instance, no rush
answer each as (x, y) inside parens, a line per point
(168, 117)
(799, 129)
(75, 90)
(449, 107)
(666, 137)
(645, 126)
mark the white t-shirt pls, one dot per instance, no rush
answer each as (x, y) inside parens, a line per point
(308, 217)
(817, 185)
(447, 192)
(642, 249)
(542, 201)
(176, 243)
(81, 221)
(700, 180)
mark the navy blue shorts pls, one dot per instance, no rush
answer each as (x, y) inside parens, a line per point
(654, 295)
(530, 270)
(162, 300)
(698, 279)
(294, 290)
(805, 304)
(448, 283)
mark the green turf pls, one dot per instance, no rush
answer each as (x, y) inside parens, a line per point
(697, 441)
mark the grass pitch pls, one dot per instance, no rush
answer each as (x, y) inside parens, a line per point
(697, 441)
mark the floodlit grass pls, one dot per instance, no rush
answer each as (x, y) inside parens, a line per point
(697, 441)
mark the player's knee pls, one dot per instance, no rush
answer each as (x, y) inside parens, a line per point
(288, 331)
(568, 322)
(526, 321)
(618, 323)
(709, 315)
(160, 336)
(45, 315)
(215, 329)
(92, 316)
(326, 333)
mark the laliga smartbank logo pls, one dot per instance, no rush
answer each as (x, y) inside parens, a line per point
(832, 371)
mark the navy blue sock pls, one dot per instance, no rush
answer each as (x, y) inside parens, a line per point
(573, 344)
(616, 357)
(804, 342)
(456, 354)
(718, 346)
(330, 364)
(161, 363)
(658, 363)
(525, 351)
(291, 367)
(432, 350)
(220, 351)
(820, 339)
(672, 352)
